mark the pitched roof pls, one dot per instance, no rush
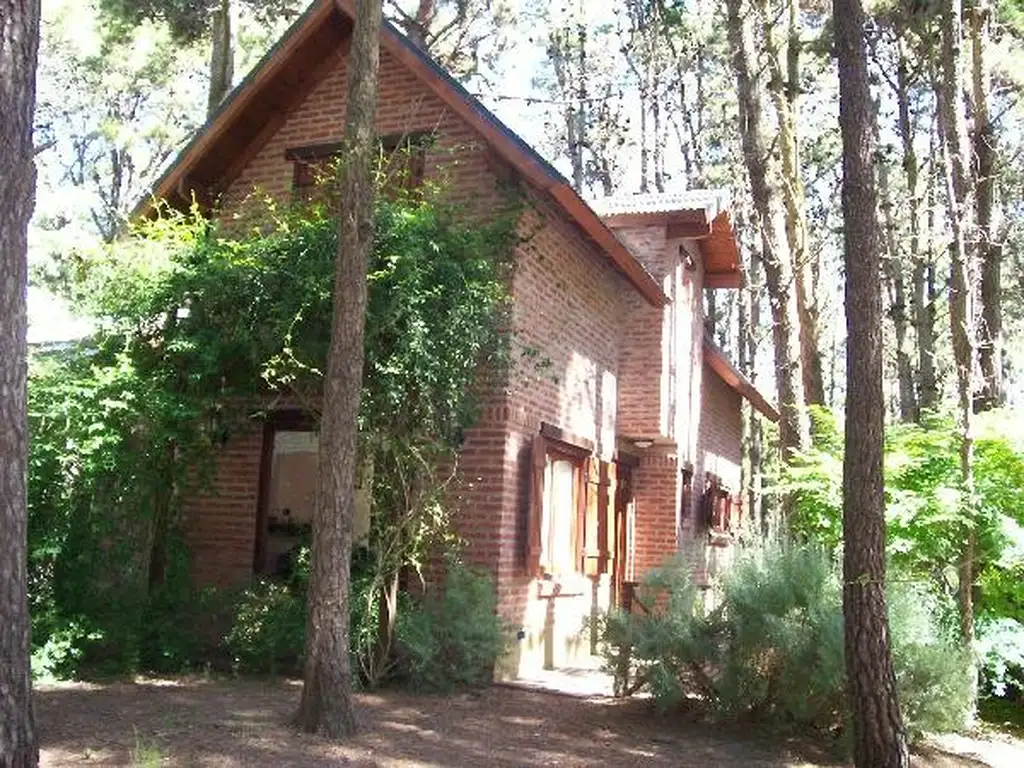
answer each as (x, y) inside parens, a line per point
(698, 214)
(731, 375)
(712, 201)
(288, 72)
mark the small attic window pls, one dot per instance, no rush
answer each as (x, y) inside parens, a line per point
(402, 163)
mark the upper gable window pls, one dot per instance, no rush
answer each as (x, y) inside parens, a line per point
(401, 166)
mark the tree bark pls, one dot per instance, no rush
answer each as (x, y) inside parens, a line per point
(893, 270)
(923, 280)
(952, 122)
(989, 250)
(794, 426)
(222, 57)
(784, 87)
(19, 42)
(879, 738)
(326, 704)
(925, 298)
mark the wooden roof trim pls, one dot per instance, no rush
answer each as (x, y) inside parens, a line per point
(273, 61)
(725, 370)
(538, 173)
(507, 145)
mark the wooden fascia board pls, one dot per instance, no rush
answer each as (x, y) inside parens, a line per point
(722, 279)
(530, 169)
(272, 63)
(737, 382)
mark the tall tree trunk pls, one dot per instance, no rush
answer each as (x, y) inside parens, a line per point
(222, 57)
(19, 42)
(952, 120)
(794, 426)
(326, 705)
(784, 86)
(879, 739)
(989, 250)
(925, 298)
(893, 270)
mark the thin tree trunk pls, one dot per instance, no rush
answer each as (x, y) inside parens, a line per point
(326, 705)
(784, 88)
(952, 120)
(925, 298)
(222, 57)
(794, 426)
(989, 251)
(19, 41)
(893, 270)
(879, 739)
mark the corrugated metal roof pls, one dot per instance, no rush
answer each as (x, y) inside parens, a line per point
(713, 200)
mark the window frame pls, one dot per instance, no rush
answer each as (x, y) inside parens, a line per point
(553, 442)
(318, 155)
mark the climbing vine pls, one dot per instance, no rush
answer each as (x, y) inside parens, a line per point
(200, 328)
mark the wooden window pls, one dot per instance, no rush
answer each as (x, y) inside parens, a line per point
(403, 162)
(722, 510)
(401, 166)
(572, 524)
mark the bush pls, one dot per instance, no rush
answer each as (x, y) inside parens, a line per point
(268, 634)
(453, 639)
(773, 647)
(1001, 650)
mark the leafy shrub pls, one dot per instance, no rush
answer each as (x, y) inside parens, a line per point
(933, 672)
(268, 634)
(773, 647)
(1000, 647)
(781, 621)
(452, 639)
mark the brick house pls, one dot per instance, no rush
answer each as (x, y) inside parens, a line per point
(573, 485)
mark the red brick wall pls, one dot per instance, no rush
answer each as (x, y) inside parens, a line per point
(721, 427)
(221, 524)
(405, 105)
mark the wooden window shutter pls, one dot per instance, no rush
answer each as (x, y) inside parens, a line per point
(606, 531)
(596, 503)
(538, 457)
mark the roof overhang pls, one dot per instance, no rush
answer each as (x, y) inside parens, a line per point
(259, 106)
(728, 373)
(703, 217)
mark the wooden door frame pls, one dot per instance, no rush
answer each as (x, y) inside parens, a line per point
(285, 420)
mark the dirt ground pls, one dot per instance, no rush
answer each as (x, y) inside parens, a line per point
(244, 723)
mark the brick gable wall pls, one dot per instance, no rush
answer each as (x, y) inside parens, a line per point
(610, 365)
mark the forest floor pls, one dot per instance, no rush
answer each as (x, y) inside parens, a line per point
(228, 723)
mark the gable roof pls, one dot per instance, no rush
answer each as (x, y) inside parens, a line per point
(261, 103)
(698, 214)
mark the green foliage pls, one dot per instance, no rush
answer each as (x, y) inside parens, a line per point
(773, 646)
(928, 515)
(1001, 649)
(268, 634)
(194, 323)
(452, 639)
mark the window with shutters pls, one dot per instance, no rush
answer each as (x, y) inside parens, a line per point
(572, 510)
(559, 519)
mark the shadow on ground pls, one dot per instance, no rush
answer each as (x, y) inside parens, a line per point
(244, 723)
